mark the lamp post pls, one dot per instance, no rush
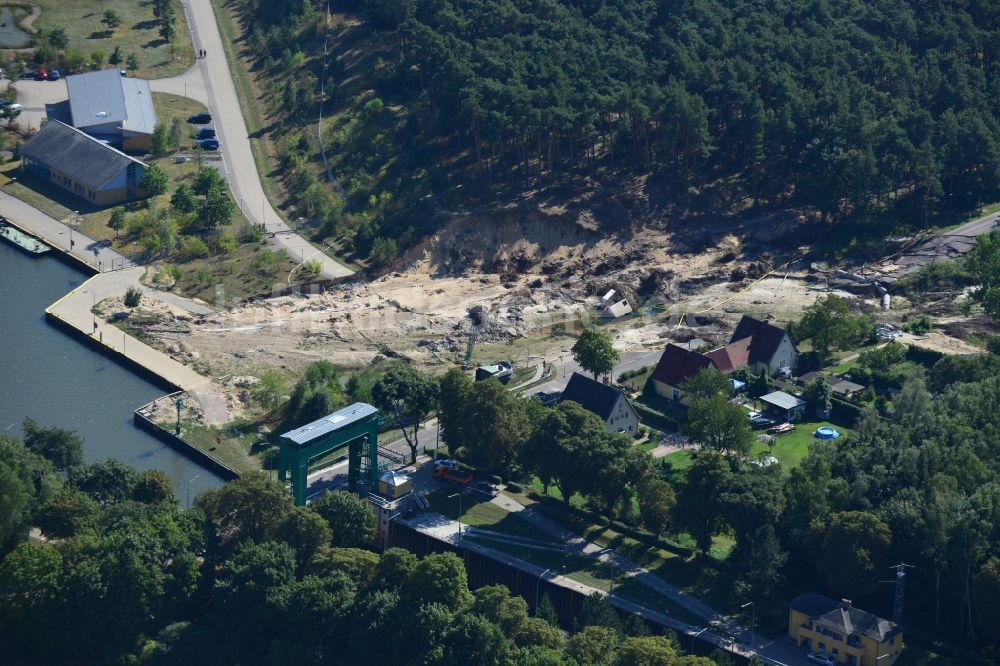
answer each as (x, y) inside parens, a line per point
(179, 403)
(753, 622)
(537, 585)
(459, 496)
(187, 502)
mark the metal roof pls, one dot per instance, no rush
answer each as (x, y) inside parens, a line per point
(140, 116)
(76, 154)
(338, 420)
(105, 96)
(394, 478)
(782, 400)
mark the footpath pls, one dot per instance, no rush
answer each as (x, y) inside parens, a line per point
(114, 275)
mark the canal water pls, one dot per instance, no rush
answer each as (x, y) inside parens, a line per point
(56, 380)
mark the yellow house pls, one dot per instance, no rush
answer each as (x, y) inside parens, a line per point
(844, 633)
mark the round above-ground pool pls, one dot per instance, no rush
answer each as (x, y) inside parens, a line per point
(826, 432)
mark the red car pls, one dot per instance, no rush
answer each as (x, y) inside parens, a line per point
(41, 74)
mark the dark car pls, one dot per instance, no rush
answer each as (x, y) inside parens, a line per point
(206, 133)
(484, 489)
(760, 422)
(54, 75)
(200, 119)
(207, 144)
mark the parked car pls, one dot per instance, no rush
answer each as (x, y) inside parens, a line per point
(207, 144)
(16, 109)
(41, 74)
(821, 658)
(206, 133)
(761, 422)
(485, 489)
(752, 415)
(200, 119)
(54, 75)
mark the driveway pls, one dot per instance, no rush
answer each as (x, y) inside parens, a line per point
(33, 96)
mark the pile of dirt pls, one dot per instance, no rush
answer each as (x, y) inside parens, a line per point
(497, 276)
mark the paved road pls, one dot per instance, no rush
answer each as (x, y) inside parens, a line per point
(60, 235)
(566, 366)
(220, 96)
(951, 245)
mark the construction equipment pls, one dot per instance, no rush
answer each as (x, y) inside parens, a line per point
(455, 475)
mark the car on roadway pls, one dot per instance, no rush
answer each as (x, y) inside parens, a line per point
(200, 119)
(821, 658)
(207, 144)
(206, 133)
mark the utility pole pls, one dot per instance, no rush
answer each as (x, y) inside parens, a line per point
(897, 607)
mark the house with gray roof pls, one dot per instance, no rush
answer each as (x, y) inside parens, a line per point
(112, 108)
(83, 165)
(783, 407)
(608, 402)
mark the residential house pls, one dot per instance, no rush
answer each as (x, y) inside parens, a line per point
(757, 345)
(846, 634)
(676, 366)
(608, 402)
(79, 163)
(771, 348)
(113, 108)
(613, 306)
(783, 407)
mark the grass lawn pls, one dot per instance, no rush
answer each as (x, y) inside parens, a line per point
(230, 445)
(138, 33)
(479, 512)
(679, 460)
(792, 447)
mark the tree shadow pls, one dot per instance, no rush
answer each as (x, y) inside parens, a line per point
(146, 25)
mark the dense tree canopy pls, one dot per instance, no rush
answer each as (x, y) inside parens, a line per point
(851, 107)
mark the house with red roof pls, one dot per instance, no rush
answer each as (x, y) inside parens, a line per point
(755, 344)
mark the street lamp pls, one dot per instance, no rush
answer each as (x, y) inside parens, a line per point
(753, 622)
(187, 502)
(537, 584)
(459, 496)
(179, 403)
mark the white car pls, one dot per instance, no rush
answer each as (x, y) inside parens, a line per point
(821, 658)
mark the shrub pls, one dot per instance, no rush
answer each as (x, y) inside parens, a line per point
(132, 297)
(193, 247)
(514, 487)
(227, 243)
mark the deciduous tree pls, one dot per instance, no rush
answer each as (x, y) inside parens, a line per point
(594, 352)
